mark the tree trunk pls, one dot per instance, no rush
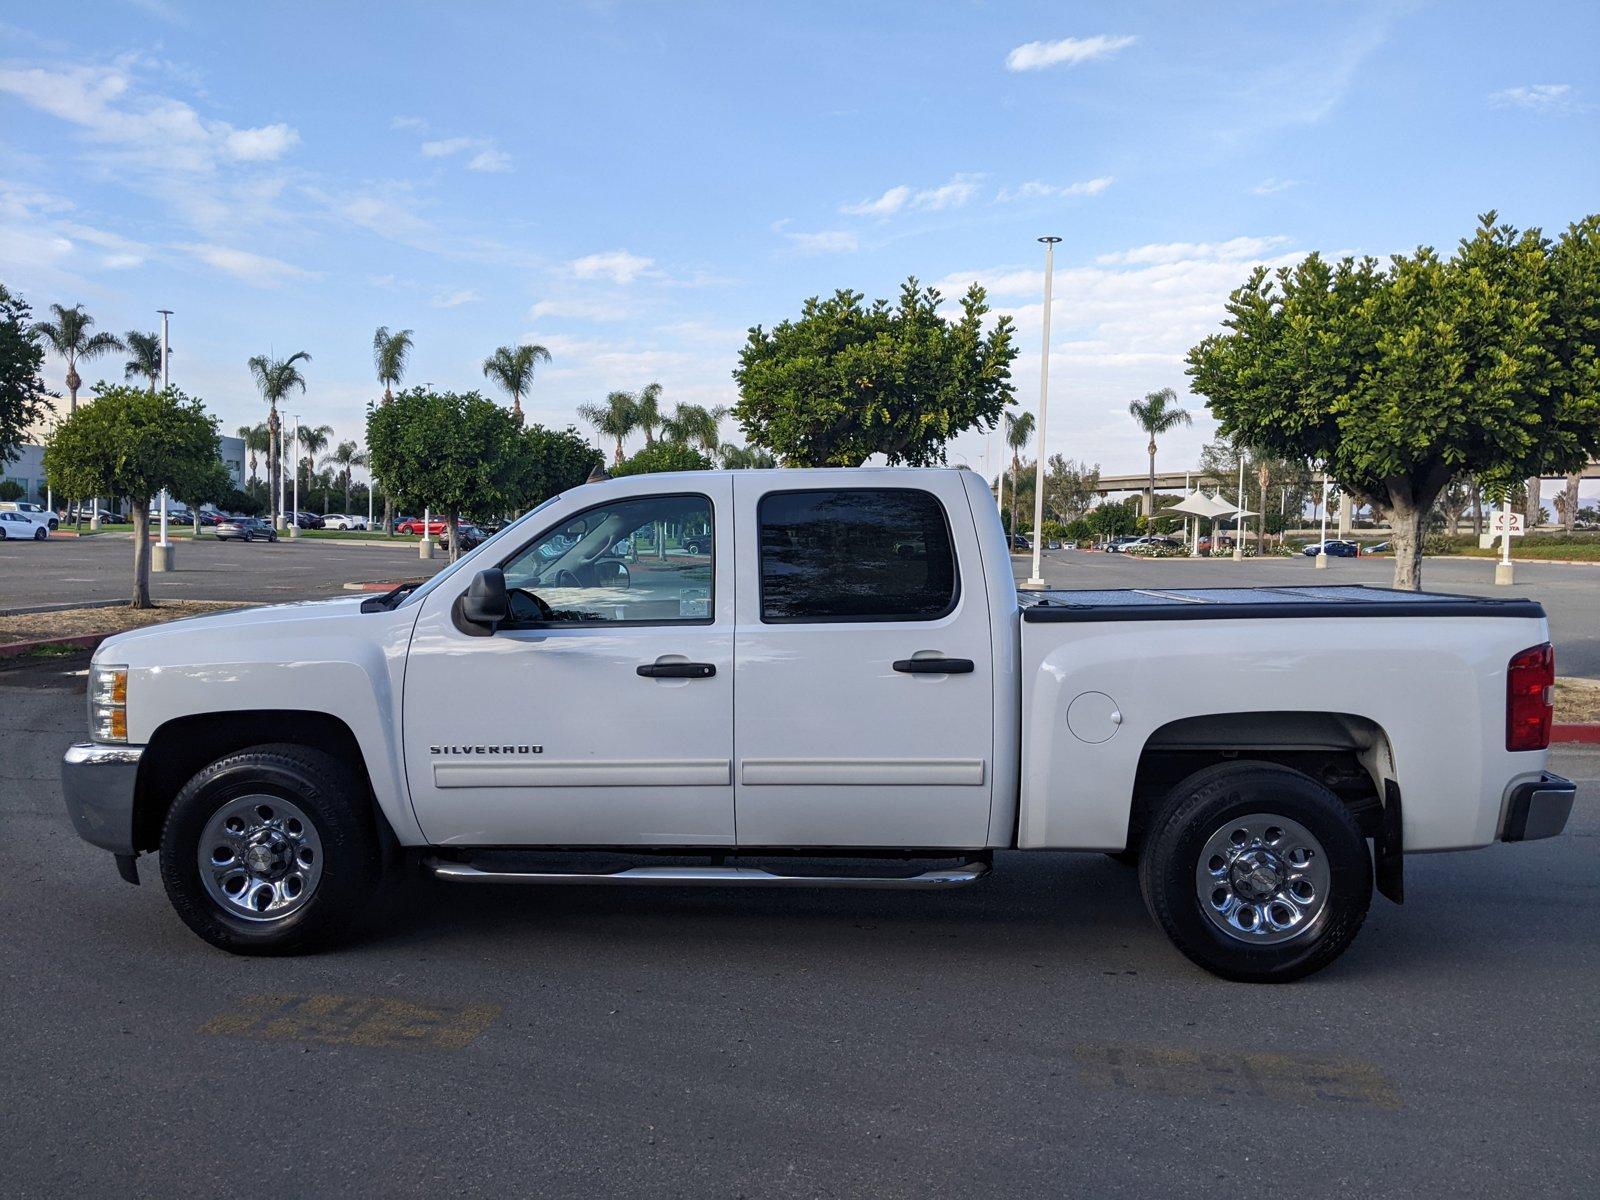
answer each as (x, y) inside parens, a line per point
(455, 534)
(1016, 471)
(1477, 509)
(1569, 501)
(1405, 524)
(1530, 515)
(141, 553)
(274, 461)
(1150, 495)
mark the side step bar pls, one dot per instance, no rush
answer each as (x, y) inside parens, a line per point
(950, 877)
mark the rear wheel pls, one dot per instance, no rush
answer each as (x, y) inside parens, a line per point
(40, 534)
(271, 851)
(1256, 872)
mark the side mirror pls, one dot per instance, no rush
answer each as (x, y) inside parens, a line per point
(486, 602)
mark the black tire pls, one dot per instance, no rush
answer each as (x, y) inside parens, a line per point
(337, 803)
(40, 534)
(1201, 806)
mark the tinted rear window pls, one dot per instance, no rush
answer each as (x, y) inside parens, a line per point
(878, 554)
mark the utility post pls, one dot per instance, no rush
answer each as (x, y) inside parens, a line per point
(294, 461)
(1036, 580)
(164, 559)
(1322, 546)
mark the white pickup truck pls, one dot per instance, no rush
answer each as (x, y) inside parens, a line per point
(721, 678)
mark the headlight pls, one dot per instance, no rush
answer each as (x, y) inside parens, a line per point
(108, 703)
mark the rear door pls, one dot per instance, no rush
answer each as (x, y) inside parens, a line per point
(864, 700)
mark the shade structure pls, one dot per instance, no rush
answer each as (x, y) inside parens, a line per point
(1198, 504)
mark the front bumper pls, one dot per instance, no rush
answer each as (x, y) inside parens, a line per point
(99, 781)
(1538, 808)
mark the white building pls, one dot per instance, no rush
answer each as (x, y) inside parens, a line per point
(27, 468)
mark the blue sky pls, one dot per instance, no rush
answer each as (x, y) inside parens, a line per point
(633, 185)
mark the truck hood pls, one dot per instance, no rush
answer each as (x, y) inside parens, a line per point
(166, 642)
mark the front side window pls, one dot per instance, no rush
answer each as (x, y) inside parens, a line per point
(858, 554)
(640, 560)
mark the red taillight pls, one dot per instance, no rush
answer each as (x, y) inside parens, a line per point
(1530, 697)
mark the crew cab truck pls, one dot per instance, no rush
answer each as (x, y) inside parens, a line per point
(839, 668)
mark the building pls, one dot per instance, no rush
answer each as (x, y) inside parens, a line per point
(28, 467)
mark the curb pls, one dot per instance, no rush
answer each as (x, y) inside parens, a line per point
(378, 587)
(1584, 734)
(80, 641)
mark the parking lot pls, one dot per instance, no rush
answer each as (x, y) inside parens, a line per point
(1035, 1031)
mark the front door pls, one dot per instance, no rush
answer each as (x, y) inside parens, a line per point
(864, 711)
(602, 714)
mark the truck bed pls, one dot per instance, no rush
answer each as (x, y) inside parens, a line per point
(1221, 603)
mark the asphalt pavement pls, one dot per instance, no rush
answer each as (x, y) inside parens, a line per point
(1034, 1035)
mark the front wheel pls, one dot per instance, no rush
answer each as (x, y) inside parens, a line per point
(40, 534)
(271, 850)
(1256, 872)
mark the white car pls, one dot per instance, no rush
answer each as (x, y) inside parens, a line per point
(23, 527)
(849, 672)
(343, 521)
(38, 510)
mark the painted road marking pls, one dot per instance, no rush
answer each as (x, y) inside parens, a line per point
(1349, 1082)
(382, 1021)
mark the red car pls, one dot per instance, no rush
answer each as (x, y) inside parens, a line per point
(413, 525)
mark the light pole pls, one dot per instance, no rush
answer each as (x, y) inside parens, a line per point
(1036, 580)
(294, 462)
(1238, 517)
(162, 560)
(1322, 546)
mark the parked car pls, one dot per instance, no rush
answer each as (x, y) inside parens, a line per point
(304, 520)
(471, 535)
(51, 520)
(1020, 543)
(343, 521)
(245, 529)
(413, 526)
(884, 703)
(1335, 549)
(697, 543)
(23, 527)
(1118, 544)
(106, 516)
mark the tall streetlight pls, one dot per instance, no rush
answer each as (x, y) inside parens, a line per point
(294, 462)
(162, 559)
(1036, 580)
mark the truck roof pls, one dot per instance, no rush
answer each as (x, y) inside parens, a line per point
(1213, 603)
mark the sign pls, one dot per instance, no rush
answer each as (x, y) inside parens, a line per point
(1503, 524)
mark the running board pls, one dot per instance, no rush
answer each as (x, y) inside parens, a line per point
(951, 877)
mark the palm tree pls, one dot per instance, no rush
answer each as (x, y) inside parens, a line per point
(1019, 430)
(276, 377)
(695, 425)
(146, 360)
(255, 441)
(744, 458)
(648, 406)
(313, 441)
(616, 418)
(512, 368)
(1155, 414)
(346, 457)
(69, 337)
(389, 354)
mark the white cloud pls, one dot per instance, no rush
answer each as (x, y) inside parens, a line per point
(409, 124)
(489, 160)
(578, 309)
(1271, 187)
(825, 241)
(885, 205)
(1537, 97)
(1233, 250)
(148, 129)
(456, 298)
(1035, 56)
(442, 147)
(618, 266)
(953, 194)
(1035, 190)
(255, 269)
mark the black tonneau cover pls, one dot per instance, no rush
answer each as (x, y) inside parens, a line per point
(1220, 603)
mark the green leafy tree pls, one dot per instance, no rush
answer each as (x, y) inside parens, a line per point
(1403, 378)
(1113, 519)
(133, 442)
(1019, 431)
(10, 489)
(1070, 487)
(616, 418)
(512, 368)
(848, 380)
(276, 378)
(663, 456)
(23, 400)
(553, 461)
(1156, 414)
(145, 357)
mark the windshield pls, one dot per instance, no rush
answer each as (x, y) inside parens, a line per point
(476, 553)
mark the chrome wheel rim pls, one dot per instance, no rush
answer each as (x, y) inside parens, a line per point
(1263, 879)
(260, 858)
